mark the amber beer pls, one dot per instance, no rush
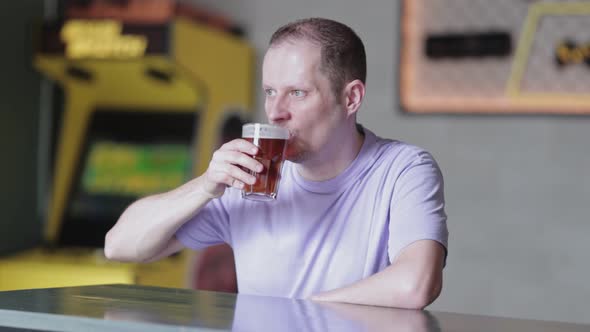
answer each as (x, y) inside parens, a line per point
(272, 143)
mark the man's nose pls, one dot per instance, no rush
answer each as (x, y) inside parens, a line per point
(277, 111)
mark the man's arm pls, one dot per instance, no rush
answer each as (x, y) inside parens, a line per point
(145, 231)
(412, 281)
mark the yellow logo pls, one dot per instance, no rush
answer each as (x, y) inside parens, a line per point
(100, 39)
(570, 53)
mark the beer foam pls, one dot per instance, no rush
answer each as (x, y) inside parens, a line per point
(261, 130)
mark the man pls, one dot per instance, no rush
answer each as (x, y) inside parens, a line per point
(358, 218)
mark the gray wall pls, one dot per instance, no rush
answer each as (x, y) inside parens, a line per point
(517, 187)
(19, 108)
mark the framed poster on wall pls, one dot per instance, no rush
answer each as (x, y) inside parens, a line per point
(501, 56)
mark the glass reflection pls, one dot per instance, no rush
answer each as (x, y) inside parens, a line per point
(254, 313)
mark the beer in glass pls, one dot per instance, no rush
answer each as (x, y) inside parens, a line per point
(272, 144)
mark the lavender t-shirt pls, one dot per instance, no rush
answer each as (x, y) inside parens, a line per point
(324, 235)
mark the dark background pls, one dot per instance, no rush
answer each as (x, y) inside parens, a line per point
(19, 118)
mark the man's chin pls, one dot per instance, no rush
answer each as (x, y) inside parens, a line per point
(294, 156)
(291, 158)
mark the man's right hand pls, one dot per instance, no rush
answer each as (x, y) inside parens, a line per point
(145, 231)
(228, 167)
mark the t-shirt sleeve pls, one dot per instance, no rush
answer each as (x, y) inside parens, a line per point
(208, 227)
(417, 209)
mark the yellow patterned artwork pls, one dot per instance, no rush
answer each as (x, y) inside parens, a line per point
(502, 56)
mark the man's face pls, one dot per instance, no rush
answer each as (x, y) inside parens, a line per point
(299, 97)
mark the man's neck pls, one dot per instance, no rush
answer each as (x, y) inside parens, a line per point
(334, 159)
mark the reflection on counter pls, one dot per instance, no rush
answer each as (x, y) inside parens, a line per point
(141, 308)
(277, 314)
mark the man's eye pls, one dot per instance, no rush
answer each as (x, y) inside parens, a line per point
(269, 92)
(298, 93)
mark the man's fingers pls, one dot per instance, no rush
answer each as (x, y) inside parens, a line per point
(226, 179)
(237, 173)
(238, 184)
(240, 145)
(227, 173)
(230, 164)
(237, 158)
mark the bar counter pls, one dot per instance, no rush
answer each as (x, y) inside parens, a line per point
(140, 308)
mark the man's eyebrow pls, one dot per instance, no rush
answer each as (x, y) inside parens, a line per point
(289, 87)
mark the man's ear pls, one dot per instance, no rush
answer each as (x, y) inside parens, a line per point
(353, 95)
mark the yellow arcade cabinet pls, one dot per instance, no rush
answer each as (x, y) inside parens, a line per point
(145, 98)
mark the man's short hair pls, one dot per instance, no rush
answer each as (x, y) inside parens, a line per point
(343, 56)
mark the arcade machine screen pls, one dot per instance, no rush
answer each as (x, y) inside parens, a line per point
(126, 155)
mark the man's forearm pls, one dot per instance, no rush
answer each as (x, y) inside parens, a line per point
(385, 288)
(413, 281)
(146, 226)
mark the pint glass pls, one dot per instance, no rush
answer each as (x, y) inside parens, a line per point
(272, 143)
